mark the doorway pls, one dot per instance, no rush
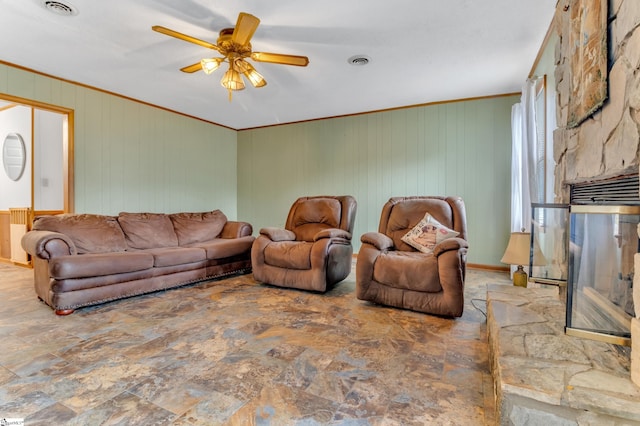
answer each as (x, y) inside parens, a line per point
(37, 179)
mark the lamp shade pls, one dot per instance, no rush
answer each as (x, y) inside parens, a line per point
(517, 252)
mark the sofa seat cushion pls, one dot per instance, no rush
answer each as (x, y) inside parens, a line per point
(147, 280)
(407, 270)
(98, 264)
(90, 233)
(197, 227)
(170, 256)
(289, 255)
(147, 230)
(221, 248)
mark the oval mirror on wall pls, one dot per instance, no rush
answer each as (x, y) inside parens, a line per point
(14, 156)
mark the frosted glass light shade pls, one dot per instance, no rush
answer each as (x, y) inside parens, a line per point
(210, 65)
(253, 76)
(232, 80)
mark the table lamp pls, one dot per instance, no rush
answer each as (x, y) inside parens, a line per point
(517, 253)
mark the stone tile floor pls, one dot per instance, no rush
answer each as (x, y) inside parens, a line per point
(236, 352)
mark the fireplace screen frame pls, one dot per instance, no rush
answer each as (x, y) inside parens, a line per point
(589, 272)
(550, 242)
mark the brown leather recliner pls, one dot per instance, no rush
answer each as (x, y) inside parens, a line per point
(314, 250)
(391, 272)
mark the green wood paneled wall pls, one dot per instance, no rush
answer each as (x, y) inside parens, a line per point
(134, 157)
(457, 148)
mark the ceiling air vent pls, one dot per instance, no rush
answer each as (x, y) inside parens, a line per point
(359, 60)
(60, 8)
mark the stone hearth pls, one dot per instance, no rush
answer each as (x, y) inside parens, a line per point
(543, 376)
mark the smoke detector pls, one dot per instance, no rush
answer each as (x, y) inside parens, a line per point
(359, 60)
(59, 7)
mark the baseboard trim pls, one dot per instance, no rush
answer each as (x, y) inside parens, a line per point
(488, 267)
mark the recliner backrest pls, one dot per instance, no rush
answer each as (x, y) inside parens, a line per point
(400, 214)
(310, 215)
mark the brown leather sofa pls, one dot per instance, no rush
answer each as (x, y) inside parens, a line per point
(87, 259)
(313, 251)
(391, 272)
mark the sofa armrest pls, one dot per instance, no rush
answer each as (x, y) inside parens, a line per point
(47, 244)
(450, 244)
(332, 233)
(380, 241)
(236, 229)
(277, 234)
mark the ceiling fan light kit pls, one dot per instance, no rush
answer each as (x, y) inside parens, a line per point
(235, 47)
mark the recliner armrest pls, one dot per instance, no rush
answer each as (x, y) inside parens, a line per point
(332, 233)
(278, 234)
(378, 240)
(450, 244)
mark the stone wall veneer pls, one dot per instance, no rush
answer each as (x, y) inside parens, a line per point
(606, 144)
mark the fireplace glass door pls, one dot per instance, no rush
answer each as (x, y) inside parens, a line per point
(549, 238)
(603, 243)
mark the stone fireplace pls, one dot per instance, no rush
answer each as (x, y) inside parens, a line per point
(606, 144)
(541, 374)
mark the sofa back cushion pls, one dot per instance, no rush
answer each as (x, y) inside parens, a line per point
(91, 233)
(197, 227)
(147, 230)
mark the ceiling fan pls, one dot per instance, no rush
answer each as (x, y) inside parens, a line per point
(234, 44)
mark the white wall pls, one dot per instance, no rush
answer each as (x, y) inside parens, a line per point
(16, 193)
(48, 173)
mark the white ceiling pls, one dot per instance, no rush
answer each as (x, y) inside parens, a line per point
(421, 51)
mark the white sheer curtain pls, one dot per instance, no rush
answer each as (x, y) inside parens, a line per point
(523, 158)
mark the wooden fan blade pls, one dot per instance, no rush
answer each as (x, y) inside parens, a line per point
(245, 27)
(279, 58)
(192, 68)
(184, 37)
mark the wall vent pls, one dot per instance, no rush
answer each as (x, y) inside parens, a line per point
(621, 190)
